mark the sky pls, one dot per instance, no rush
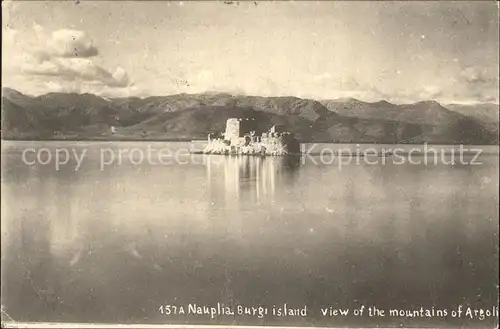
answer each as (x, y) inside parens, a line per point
(397, 51)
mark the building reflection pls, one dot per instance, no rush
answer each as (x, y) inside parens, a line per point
(232, 179)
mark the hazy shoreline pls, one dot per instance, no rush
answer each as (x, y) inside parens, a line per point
(203, 141)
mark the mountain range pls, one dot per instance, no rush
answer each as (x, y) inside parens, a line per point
(192, 116)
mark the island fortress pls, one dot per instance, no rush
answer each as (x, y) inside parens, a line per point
(240, 138)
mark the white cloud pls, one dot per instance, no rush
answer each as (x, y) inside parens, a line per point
(430, 92)
(479, 83)
(79, 69)
(53, 86)
(71, 43)
(89, 87)
(63, 55)
(39, 32)
(474, 75)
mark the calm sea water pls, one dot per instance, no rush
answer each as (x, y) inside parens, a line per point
(112, 242)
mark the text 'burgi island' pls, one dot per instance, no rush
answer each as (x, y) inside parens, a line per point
(221, 309)
(285, 310)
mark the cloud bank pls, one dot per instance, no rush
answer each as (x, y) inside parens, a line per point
(67, 61)
(68, 43)
(404, 52)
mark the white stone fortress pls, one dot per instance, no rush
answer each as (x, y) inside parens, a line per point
(240, 138)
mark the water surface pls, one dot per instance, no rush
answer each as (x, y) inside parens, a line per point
(112, 244)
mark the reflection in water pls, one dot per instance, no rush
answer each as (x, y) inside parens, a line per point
(111, 246)
(255, 176)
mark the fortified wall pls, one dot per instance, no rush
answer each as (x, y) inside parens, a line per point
(240, 137)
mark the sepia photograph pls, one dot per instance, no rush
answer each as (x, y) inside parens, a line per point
(250, 164)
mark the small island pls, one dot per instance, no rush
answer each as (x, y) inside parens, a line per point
(241, 138)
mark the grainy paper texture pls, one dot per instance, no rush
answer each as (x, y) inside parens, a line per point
(250, 164)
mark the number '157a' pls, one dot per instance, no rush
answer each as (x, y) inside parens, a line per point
(171, 309)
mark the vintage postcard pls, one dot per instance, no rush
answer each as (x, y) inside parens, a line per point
(250, 164)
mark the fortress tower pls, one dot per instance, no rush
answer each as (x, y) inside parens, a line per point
(232, 132)
(240, 137)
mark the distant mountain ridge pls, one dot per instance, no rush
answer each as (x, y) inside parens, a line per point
(486, 113)
(193, 116)
(423, 112)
